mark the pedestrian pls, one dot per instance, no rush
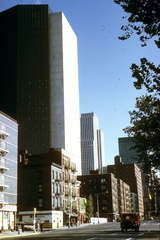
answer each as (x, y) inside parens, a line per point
(41, 226)
(38, 227)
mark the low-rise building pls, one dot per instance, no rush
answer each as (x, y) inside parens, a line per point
(8, 171)
(124, 197)
(131, 175)
(111, 196)
(47, 183)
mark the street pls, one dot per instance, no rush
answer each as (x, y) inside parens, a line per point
(148, 230)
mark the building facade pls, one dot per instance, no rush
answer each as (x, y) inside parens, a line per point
(39, 71)
(50, 186)
(100, 147)
(124, 197)
(110, 196)
(134, 201)
(126, 153)
(131, 175)
(129, 155)
(92, 143)
(8, 171)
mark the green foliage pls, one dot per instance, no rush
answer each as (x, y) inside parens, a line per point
(147, 75)
(145, 129)
(143, 18)
(89, 207)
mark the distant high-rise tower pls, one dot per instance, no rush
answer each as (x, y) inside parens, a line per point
(92, 143)
(127, 154)
(100, 147)
(39, 78)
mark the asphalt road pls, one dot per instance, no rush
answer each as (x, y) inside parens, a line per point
(148, 230)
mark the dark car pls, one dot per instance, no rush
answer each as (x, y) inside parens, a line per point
(130, 220)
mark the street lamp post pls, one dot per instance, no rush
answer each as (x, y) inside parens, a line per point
(98, 202)
(34, 220)
(69, 225)
(98, 206)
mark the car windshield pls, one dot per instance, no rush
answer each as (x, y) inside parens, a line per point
(128, 216)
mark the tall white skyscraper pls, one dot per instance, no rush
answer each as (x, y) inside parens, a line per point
(92, 143)
(65, 114)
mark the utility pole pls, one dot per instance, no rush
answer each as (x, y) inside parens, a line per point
(34, 220)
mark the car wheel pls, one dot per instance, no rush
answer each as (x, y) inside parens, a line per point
(136, 229)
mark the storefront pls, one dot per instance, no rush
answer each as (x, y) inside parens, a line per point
(8, 217)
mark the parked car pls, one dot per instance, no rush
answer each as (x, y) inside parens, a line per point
(130, 220)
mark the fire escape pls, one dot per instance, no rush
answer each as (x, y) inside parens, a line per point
(3, 168)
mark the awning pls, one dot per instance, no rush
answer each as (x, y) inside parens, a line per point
(71, 214)
(9, 208)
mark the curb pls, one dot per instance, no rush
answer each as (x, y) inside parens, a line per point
(15, 234)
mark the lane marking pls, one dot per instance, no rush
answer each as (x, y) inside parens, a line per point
(140, 234)
(91, 238)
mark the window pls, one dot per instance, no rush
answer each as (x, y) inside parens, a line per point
(103, 188)
(53, 188)
(29, 201)
(103, 180)
(104, 208)
(53, 201)
(40, 202)
(40, 188)
(39, 174)
(57, 176)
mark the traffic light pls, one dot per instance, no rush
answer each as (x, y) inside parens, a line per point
(150, 196)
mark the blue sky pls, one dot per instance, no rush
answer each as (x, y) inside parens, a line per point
(105, 82)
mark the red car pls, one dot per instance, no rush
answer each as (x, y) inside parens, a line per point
(130, 220)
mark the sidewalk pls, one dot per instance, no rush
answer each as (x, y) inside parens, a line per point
(9, 234)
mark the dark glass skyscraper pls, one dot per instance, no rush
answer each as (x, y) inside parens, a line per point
(39, 86)
(127, 154)
(24, 72)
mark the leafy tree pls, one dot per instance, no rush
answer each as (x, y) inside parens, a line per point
(145, 129)
(89, 207)
(148, 76)
(144, 19)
